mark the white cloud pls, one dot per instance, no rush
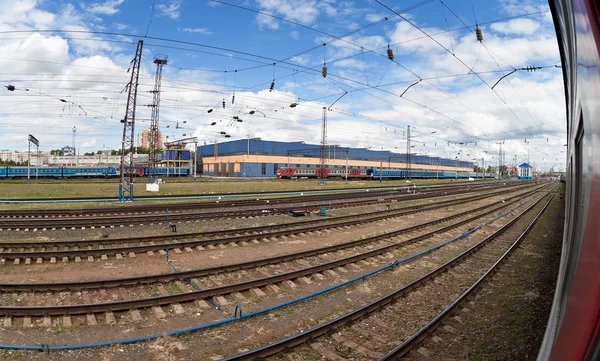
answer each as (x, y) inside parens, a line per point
(203, 31)
(171, 10)
(294, 34)
(516, 26)
(109, 7)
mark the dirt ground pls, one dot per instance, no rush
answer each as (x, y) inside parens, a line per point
(65, 189)
(507, 319)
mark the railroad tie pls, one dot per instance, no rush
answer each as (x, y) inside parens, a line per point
(90, 258)
(353, 345)
(110, 318)
(257, 292)
(290, 284)
(305, 280)
(202, 304)
(158, 312)
(91, 319)
(47, 321)
(273, 288)
(318, 275)
(136, 316)
(323, 351)
(179, 310)
(27, 322)
(7, 322)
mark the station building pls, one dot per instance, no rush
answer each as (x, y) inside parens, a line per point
(525, 171)
(255, 157)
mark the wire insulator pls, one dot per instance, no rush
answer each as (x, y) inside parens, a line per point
(10, 88)
(233, 99)
(272, 86)
(223, 103)
(390, 53)
(324, 71)
(478, 34)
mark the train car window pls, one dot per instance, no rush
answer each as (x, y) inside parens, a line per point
(264, 169)
(275, 166)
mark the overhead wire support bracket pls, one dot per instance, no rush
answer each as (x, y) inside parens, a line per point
(527, 68)
(345, 92)
(410, 86)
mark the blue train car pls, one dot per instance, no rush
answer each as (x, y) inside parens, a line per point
(87, 172)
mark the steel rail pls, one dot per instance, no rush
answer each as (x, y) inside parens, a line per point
(422, 333)
(317, 331)
(194, 295)
(232, 195)
(69, 222)
(255, 231)
(111, 283)
(223, 201)
(195, 243)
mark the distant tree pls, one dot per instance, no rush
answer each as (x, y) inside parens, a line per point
(114, 152)
(87, 154)
(99, 152)
(141, 150)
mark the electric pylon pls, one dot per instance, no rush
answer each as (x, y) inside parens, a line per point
(153, 139)
(126, 169)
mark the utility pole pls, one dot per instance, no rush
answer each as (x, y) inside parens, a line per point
(408, 158)
(74, 136)
(483, 166)
(126, 185)
(380, 169)
(346, 166)
(323, 161)
(153, 139)
(32, 139)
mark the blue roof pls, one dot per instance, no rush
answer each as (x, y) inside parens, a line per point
(524, 165)
(300, 149)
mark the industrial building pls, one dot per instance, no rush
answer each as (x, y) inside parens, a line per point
(255, 157)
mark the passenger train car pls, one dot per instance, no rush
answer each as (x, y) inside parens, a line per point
(573, 329)
(84, 172)
(373, 173)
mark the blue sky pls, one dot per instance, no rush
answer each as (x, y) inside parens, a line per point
(207, 41)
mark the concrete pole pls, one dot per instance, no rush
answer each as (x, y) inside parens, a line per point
(37, 161)
(28, 161)
(346, 166)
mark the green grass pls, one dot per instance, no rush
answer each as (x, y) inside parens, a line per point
(15, 189)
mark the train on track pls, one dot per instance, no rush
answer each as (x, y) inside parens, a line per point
(573, 329)
(374, 173)
(84, 172)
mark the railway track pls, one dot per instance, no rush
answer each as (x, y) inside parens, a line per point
(366, 332)
(159, 209)
(91, 249)
(43, 224)
(156, 302)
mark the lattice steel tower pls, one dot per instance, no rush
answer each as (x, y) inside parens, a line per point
(323, 162)
(153, 139)
(126, 169)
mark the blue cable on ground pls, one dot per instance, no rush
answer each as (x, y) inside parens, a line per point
(48, 348)
(187, 280)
